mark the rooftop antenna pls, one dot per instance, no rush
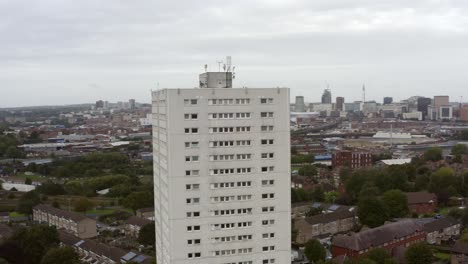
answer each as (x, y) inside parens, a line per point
(206, 67)
(228, 63)
(219, 65)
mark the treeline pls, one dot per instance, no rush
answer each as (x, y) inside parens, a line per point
(8, 147)
(92, 165)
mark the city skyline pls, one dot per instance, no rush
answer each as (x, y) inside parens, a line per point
(91, 50)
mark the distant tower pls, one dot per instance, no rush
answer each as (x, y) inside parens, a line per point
(340, 103)
(326, 97)
(387, 100)
(363, 93)
(300, 105)
(132, 104)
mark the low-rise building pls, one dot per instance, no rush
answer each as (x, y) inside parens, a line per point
(94, 252)
(459, 253)
(422, 202)
(75, 223)
(351, 159)
(4, 217)
(442, 230)
(389, 237)
(134, 224)
(324, 225)
(147, 213)
(5, 232)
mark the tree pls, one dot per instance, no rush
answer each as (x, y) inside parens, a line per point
(379, 255)
(308, 170)
(442, 179)
(396, 202)
(35, 241)
(137, 200)
(318, 194)
(372, 211)
(61, 255)
(28, 181)
(458, 151)
(433, 154)
(27, 202)
(330, 197)
(419, 253)
(147, 235)
(83, 205)
(314, 251)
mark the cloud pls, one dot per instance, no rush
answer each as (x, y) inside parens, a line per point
(125, 47)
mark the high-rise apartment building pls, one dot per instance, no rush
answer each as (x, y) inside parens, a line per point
(222, 174)
(423, 103)
(339, 103)
(326, 97)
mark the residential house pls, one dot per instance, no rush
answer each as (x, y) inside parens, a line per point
(388, 237)
(422, 202)
(442, 230)
(326, 224)
(147, 213)
(134, 224)
(5, 232)
(91, 251)
(75, 223)
(459, 253)
(4, 217)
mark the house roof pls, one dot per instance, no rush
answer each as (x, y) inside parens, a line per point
(377, 236)
(138, 221)
(439, 224)
(5, 231)
(420, 197)
(61, 213)
(329, 217)
(396, 161)
(460, 247)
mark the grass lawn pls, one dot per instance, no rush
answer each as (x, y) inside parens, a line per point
(442, 256)
(15, 214)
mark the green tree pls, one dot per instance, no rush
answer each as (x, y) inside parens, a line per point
(83, 205)
(60, 255)
(379, 255)
(314, 251)
(433, 154)
(372, 211)
(330, 197)
(147, 235)
(318, 194)
(442, 179)
(308, 170)
(35, 241)
(459, 149)
(419, 253)
(27, 202)
(137, 200)
(396, 202)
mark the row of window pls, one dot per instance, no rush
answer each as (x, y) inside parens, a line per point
(196, 228)
(223, 130)
(227, 239)
(228, 143)
(227, 101)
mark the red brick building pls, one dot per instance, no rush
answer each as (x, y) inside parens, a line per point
(422, 202)
(351, 159)
(388, 237)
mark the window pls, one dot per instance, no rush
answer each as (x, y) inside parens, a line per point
(191, 130)
(191, 144)
(266, 128)
(267, 209)
(267, 141)
(268, 222)
(194, 255)
(268, 235)
(243, 129)
(266, 114)
(192, 172)
(190, 116)
(268, 182)
(268, 261)
(243, 115)
(193, 228)
(193, 241)
(244, 197)
(269, 155)
(193, 214)
(244, 156)
(243, 142)
(192, 200)
(242, 101)
(268, 169)
(190, 101)
(268, 195)
(192, 186)
(191, 158)
(266, 100)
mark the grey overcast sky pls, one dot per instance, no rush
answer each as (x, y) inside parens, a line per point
(69, 51)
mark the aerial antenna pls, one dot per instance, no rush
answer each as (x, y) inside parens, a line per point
(206, 67)
(228, 63)
(219, 65)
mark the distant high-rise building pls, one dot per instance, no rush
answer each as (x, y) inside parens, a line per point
(440, 108)
(441, 100)
(221, 174)
(326, 97)
(340, 103)
(463, 113)
(99, 104)
(387, 100)
(132, 104)
(423, 103)
(300, 105)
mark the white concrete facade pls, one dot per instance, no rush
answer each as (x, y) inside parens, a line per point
(222, 175)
